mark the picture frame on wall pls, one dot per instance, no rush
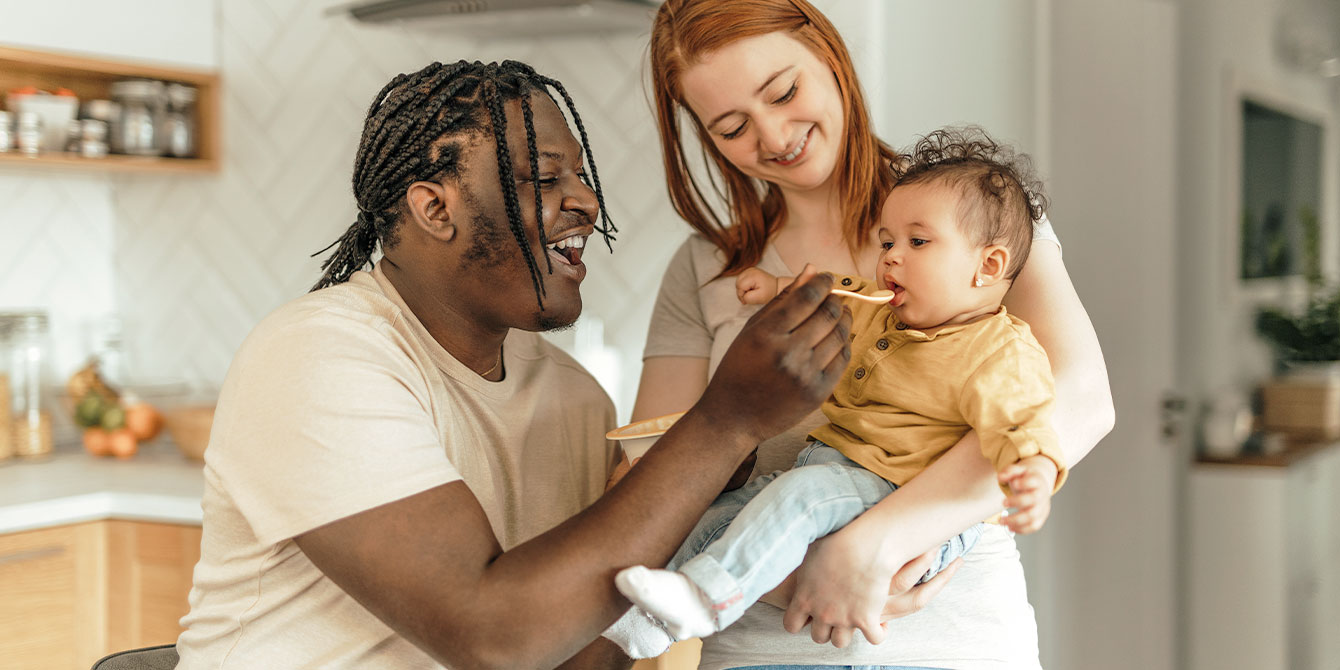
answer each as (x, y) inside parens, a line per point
(1279, 194)
(1280, 210)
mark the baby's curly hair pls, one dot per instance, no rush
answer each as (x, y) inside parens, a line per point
(1002, 197)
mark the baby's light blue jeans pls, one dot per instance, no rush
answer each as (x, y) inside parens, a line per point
(751, 538)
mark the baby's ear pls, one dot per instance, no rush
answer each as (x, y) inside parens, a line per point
(994, 266)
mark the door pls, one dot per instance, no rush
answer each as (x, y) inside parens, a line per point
(1109, 596)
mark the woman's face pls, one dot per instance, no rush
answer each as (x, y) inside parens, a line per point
(771, 107)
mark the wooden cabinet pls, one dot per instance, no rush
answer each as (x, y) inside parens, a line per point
(91, 79)
(71, 594)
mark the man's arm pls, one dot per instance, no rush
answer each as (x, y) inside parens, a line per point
(430, 567)
(599, 655)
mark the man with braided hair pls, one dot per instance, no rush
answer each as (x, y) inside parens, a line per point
(402, 473)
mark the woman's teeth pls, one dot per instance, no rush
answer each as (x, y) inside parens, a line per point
(795, 153)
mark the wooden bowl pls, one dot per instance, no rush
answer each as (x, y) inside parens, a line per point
(188, 426)
(637, 438)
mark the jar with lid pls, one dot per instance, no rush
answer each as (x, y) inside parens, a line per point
(179, 122)
(6, 131)
(25, 353)
(135, 130)
(28, 134)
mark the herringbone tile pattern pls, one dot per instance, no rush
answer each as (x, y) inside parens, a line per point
(58, 255)
(201, 259)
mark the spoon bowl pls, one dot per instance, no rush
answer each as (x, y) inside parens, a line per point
(877, 296)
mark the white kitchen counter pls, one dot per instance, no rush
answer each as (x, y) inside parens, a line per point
(157, 484)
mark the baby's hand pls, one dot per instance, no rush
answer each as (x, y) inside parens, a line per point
(755, 287)
(1032, 481)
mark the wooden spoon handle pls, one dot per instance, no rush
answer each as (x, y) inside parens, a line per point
(877, 296)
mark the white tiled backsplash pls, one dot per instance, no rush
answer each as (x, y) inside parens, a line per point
(193, 262)
(58, 255)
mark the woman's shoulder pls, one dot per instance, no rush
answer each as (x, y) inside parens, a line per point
(697, 257)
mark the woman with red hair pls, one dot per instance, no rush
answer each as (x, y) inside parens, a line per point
(795, 175)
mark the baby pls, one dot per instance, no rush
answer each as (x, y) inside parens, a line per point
(937, 359)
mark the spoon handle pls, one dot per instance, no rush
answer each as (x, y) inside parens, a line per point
(878, 296)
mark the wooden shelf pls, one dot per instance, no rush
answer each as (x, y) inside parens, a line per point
(1293, 452)
(91, 79)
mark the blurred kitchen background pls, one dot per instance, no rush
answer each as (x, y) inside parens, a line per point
(1190, 150)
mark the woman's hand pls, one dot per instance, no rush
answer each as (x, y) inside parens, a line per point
(840, 589)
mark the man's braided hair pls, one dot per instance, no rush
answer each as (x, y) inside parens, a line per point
(415, 131)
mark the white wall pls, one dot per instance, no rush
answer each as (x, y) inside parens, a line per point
(1228, 47)
(175, 32)
(204, 258)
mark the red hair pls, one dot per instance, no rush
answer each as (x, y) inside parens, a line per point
(683, 32)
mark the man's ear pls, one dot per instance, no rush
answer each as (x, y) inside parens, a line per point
(995, 263)
(433, 206)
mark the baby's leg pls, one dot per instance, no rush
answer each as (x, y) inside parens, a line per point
(955, 547)
(758, 550)
(637, 633)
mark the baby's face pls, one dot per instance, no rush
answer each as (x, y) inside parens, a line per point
(927, 261)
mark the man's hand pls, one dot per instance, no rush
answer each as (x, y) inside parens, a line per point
(785, 361)
(755, 287)
(1031, 481)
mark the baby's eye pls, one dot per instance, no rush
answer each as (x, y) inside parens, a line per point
(886, 245)
(786, 97)
(917, 241)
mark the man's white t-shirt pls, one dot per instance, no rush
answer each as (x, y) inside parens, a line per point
(340, 402)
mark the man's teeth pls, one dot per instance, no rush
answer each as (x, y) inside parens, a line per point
(576, 242)
(795, 152)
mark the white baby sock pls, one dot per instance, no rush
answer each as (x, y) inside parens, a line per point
(638, 635)
(670, 597)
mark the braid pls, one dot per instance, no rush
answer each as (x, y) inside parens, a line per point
(534, 153)
(411, 133)
(606, 230)
(499, 118)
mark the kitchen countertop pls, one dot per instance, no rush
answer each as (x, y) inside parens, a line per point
(69, 486)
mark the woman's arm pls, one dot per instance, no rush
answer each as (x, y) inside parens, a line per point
(669, 384)
(845, 576)
(1043, 296)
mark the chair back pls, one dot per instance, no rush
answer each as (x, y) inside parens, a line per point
(162, 657)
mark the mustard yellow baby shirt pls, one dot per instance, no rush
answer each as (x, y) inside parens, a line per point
(907, 396)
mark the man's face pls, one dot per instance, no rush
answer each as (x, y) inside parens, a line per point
(568, 214)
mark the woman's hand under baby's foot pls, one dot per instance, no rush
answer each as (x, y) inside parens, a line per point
(1031, 481)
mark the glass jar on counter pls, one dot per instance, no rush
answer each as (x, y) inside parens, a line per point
(25, 350)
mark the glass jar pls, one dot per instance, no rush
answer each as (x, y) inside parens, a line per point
(6, 132)
(26, 352)
(141, 113)
(179, 124)
(28, 133)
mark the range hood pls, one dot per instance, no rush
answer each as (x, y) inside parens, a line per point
(506, 17)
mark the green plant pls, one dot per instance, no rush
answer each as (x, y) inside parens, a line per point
(1313, 335)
